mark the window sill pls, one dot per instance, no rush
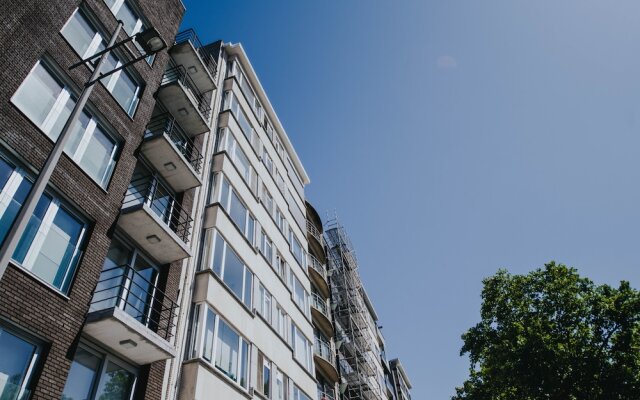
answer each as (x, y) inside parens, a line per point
(227, 288)
(248, 393)
(39, 280)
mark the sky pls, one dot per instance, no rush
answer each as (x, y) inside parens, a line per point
(453, 138)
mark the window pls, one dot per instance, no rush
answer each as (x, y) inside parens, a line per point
(281, 322)
(267, 160)
(281, 266)
(50, 245)
(301, 347)
(94, 375)
(19, 357)
(222, 345)
(237, 210)
(226, 264)
(282, 386)
(231, 103)
(300, 294)
(298, 394)
(264, 305)
(228, 143)
(48, 103)
(86, 41)
(267, 199)
(266, 247)
(264, 375)
(245, 87)
(281, 221)
(296, 248)
(280, 181)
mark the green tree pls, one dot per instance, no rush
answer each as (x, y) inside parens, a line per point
(552, 334)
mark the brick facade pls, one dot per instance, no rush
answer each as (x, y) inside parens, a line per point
(30, 30)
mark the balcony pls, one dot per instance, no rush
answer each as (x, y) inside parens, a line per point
(155, 220)
(316, 241)
(184, 100)
(325, 359)
(172, 153)
(320, 314)
(325, 395)
(197, 59)
(319, 275)
(131, 316)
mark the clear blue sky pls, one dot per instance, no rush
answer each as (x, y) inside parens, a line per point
(454, 138)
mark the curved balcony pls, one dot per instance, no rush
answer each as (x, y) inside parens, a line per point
(316, 241)
(325, 359)
(184, 100)
(131, 316)
(320, 314)
(172, 153)
(319, 275)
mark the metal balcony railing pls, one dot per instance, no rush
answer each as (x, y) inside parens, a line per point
(166, 124)
(311, 228)
(150, 191)
(123, 287)
(319, 304)
(316, 265)
(179, 74)
(325, 395)
(205, 54)
(324, 350)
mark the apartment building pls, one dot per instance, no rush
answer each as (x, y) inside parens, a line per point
(173, 254)
(401, 382)
(247, 330)
(57, 339)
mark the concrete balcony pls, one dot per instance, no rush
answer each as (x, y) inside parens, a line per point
(156, 221)
(131, 316)
(197, 59)
(172, 153)
(325, 359)
(320, 314)
(184, 100)
(319, 275)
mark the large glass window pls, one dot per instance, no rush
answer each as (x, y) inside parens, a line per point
(301, 347)
(264, 303)
(264, 375)
(238, 212)
(94, 375)
(298, 394)
(300, 294)
(221, 345)
(48, 103)
(231, 103)
(86, 41)
(50, 246)
(16, 365)
(296, 248)
(226, 264)
(266, 247)
(282, 386)
(228, 143)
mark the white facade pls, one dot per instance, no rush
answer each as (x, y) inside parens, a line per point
(245, 327)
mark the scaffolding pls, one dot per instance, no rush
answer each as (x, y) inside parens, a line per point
(354, 330)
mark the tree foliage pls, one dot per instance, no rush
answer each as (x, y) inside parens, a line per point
(552, 334)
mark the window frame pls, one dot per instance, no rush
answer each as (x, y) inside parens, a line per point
(28, 380)
(202, 312)
(17, 177)
(95, 123)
